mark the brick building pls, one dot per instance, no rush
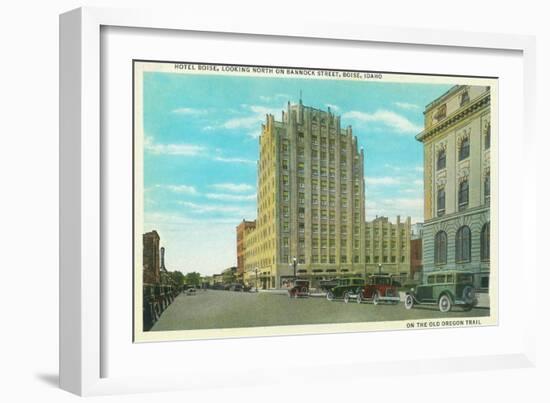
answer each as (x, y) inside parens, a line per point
(151, 258)
(243, 229)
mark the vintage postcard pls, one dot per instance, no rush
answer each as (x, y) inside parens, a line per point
(276, 200)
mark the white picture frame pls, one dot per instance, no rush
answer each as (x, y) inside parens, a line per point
(82, 340)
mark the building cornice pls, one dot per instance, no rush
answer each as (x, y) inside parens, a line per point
(449, 217)
(455, 117)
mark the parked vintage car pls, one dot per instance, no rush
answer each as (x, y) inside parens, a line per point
(344, 286)
(191, 291)
(299, 288)
(236, 287)
(379, 288)
(446, 289)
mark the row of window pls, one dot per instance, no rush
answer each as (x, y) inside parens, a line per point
(463, 245)
(464, 150)
(463, 195)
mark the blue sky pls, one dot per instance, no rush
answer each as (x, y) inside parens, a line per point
(201, 147)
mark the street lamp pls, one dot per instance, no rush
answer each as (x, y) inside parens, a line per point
(256, 270)
(379, 268)
(294, 264)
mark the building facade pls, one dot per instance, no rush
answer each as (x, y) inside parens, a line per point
(387, 246)
(151, 258)
(242, 230)
(457, 182)
(311, 198)
(416, 251)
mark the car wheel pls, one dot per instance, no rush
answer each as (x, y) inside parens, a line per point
(409, 301)
(445, 303)
(359, 298)
(346, 298)
(330, 296)
(375, 298)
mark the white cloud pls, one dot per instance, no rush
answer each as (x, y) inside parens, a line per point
(246, 122)
(390, 119)
(183, 189)
(382, 180)
(252, 120)
(271, 98)
(172, 149)
(192, 150)
(189, 111)
(418, 182)
(230, 197)
(406, 105)
(203, 208)
(234, 159)
(233, 187)
(402, 206)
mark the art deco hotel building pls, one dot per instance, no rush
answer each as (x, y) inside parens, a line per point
(311, 201)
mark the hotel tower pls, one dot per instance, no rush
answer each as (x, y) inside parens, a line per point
(311, 200)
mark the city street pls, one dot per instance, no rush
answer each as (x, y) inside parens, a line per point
(214, 309)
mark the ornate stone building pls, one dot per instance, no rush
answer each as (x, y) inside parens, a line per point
(457, 182)
(311, 198)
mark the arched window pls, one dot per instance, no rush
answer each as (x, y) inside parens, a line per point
(441, 159)
(486, 242)
(440, 201)
(487, 187)
(463, 195)
(463, 244)
(487, 139)
(464, 149)
(440, 248)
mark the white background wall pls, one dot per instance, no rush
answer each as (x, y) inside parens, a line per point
(29, 196)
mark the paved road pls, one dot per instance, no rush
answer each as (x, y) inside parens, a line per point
(215, 309)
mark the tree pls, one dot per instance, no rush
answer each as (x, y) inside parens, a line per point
(193, 278)
(178, 277)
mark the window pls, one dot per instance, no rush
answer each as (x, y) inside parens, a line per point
(440, 248)
(441, 159)
(463, 195)
(487, 187)
(463, 244)
(464, 149)
(486, 242)
(441, 201)
(487, 139)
